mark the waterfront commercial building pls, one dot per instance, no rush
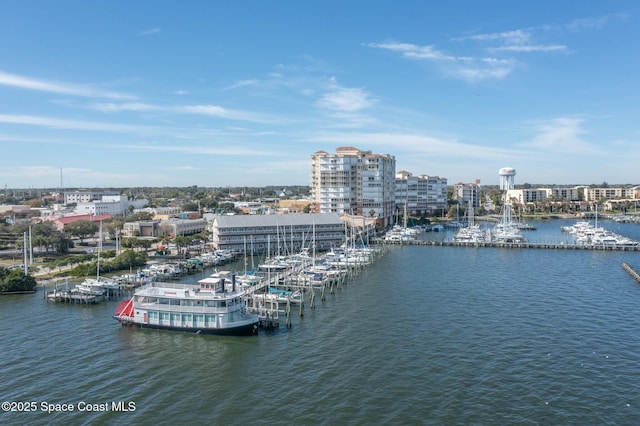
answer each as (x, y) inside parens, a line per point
(181, 227)
(354, 182)
(283, 234)
(164, 228)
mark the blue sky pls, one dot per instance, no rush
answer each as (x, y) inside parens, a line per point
(242, 93)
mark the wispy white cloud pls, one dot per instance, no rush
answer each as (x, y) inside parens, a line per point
(124, 106)
(467, 68)
(508, 37)
(530, 48)
(181, 168)
(198, 149)
(589, 23)
(412, 51)
(241, 83)
(483, 69)
(418, 144)
(560, 135)
(522, 40)
(48, 141)
(149, 31)
(208, 110)
(519, 41)
(221, 112)
(345, 99)
(73, 89)
(346, 105)
(479, 67)
(181, 92)
(67, 124)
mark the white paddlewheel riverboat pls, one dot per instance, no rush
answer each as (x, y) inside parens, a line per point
(209, 307)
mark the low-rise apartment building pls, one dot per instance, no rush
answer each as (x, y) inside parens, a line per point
(164, 228)
(597, 194)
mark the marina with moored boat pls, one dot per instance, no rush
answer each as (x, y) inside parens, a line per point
(229, 303)
(263, 297)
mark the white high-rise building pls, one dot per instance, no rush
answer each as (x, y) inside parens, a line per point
(354, 182)
(467, 194)
(421, 194)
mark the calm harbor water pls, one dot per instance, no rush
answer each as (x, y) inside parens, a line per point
(428, 335)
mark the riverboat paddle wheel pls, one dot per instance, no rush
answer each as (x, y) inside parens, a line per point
(124, 311)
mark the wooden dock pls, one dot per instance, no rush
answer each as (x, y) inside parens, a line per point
(631, 272)
(551, 246)
(65, 293)
(64, 296)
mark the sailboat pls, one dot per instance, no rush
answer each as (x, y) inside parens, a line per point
(506, 231)
(98, 286)
(403, 233)
(472, 232)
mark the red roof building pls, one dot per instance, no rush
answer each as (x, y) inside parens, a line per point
(61, 222)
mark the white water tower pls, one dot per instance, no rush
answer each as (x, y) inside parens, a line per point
(507, 178)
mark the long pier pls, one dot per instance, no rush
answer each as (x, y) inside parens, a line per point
(631, 272)
(552, 246)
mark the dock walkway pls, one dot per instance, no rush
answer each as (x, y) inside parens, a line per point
(552, 246)
(631, 272)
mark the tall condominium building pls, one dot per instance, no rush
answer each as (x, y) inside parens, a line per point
(421, 194)
(354, 182)
(467, 193)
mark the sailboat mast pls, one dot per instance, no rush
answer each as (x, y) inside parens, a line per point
(245, 256)
(99, 251)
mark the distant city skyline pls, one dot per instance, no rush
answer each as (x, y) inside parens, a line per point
(231, 94)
